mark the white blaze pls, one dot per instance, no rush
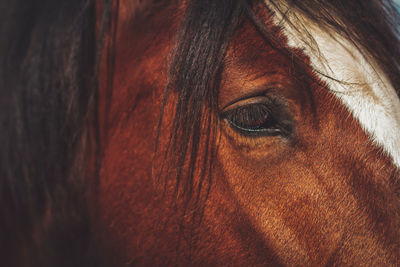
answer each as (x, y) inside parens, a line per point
(366, 91)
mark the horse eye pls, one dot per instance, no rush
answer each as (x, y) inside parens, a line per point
(259, 119)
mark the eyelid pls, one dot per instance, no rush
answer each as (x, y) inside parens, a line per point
(262, 92)
(246, 101)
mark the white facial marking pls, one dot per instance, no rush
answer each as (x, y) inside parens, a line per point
(367, 92)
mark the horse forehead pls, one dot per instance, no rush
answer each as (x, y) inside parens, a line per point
(359, 83)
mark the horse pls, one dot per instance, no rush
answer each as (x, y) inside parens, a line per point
(200, 133)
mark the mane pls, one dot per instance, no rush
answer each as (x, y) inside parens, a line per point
(48, 100)
(48, 120)
(195, 75)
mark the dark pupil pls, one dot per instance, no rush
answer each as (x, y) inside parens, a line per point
(253, 117)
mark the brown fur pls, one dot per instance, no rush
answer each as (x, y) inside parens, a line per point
(326, 197)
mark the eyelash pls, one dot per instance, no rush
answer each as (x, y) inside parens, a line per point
(260, 119)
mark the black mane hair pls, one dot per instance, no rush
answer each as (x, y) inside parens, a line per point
(48, 59)
(48, 120)
(195, 75)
